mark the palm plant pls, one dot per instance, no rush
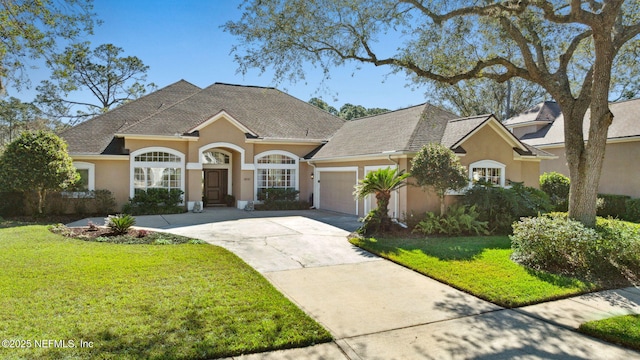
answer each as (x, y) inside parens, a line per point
(382, 183)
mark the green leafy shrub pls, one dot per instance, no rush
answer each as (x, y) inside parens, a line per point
(556, 186)
(281, 199)
(613, 205)
(119, 224)
(458, 220)
(105, 202)
(230, 200)
(560, 245)
(155, 201)
(633, 210)
(500, 207)
(371, 224)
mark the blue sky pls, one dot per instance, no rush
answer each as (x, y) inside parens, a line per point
(182, 39)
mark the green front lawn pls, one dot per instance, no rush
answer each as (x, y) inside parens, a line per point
(478, 265)
(138, 301)
(622, 330)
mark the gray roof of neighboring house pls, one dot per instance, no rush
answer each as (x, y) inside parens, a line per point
(178, 108)
(626, 121)
(401, 130)
(94, 136)
(546, 111)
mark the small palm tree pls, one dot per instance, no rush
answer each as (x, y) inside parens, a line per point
(382, 183)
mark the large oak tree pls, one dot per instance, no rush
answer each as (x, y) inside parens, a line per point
(570, 48)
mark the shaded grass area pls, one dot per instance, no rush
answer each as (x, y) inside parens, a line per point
(478, 265)
(621, 330)
(139, 301)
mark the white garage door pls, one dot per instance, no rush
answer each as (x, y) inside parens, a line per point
(336, 191)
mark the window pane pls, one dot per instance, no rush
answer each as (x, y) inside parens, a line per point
(276, 159)
(215, 158)
(83, 183)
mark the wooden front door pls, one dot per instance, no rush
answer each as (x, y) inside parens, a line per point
(215, 186)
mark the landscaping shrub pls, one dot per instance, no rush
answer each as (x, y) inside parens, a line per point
(105, 202)
(500, 207)
(119, 224)
(459, 220)
(155, 201)
(613, 205)
(281, 199)
(12, 203)
(556, 186)
(633, 210)
(560, 245)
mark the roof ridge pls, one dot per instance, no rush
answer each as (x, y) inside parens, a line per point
(414, 133)
(487, 115)
(248, 86)
(161, 109)
(127, 104)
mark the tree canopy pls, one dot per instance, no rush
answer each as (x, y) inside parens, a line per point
(576, 51)
(33, 29)
(112, 79)
(37, 161)
(437, 167)
(17, 116)
(347, 111)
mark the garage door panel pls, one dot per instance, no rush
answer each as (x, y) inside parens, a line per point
(336, 191)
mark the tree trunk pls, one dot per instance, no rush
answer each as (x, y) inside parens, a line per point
(443, 208)
(585, 160)
(41, 195)
(383, 208)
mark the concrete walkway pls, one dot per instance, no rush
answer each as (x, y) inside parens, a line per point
(376, 309)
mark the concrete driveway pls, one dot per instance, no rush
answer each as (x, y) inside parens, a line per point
(376, 309)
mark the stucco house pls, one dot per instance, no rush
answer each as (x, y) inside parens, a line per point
(239, 140)
(542, 126)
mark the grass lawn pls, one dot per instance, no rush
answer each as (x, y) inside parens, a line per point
(478, 265)
(138, 301)
(622, 330)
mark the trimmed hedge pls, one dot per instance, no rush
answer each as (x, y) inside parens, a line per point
(155, 201)
(613, 205)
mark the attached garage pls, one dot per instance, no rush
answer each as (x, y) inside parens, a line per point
(335, 189)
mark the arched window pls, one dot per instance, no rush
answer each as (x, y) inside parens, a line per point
(488, 171)
(159, 168)
(212, 157)
(276, 169)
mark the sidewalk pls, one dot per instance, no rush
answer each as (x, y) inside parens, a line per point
(540, 331)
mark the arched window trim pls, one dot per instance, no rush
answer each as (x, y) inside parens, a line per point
(258, 167)
(490, 164)
(133, 164)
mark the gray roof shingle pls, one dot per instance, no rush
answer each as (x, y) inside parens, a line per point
(94, 136)
(401, 130)
(178, 108)
(626, 118)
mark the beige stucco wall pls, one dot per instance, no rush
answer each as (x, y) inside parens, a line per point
(112, 175)
(620, 171)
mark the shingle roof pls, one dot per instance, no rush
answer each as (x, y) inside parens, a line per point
(626, 117)
(546, 111)
(93, 136)
(401, 130)
(178, 108)
(267, 112)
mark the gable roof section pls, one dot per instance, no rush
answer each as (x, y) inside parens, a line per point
(94, 136)
(626, 117)
(407, 130)
(267, 112)
(395, 131)
(180, 108)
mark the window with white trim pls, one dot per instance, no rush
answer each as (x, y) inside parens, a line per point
(157, 169)
(215, 158)
(488, 171)
(86, 184)
(276, 170)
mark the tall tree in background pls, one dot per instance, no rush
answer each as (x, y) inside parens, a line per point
(15, 117)
(319, 103)
(347, 111)
(479, 96)
(32, 29)
(574, 50)
(111, 78)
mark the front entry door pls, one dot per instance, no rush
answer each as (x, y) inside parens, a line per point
(215, 186)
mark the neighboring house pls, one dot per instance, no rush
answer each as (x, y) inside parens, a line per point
(241, 140)
(543, 127)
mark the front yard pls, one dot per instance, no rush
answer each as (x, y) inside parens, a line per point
(478, 265)
(66, 298)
